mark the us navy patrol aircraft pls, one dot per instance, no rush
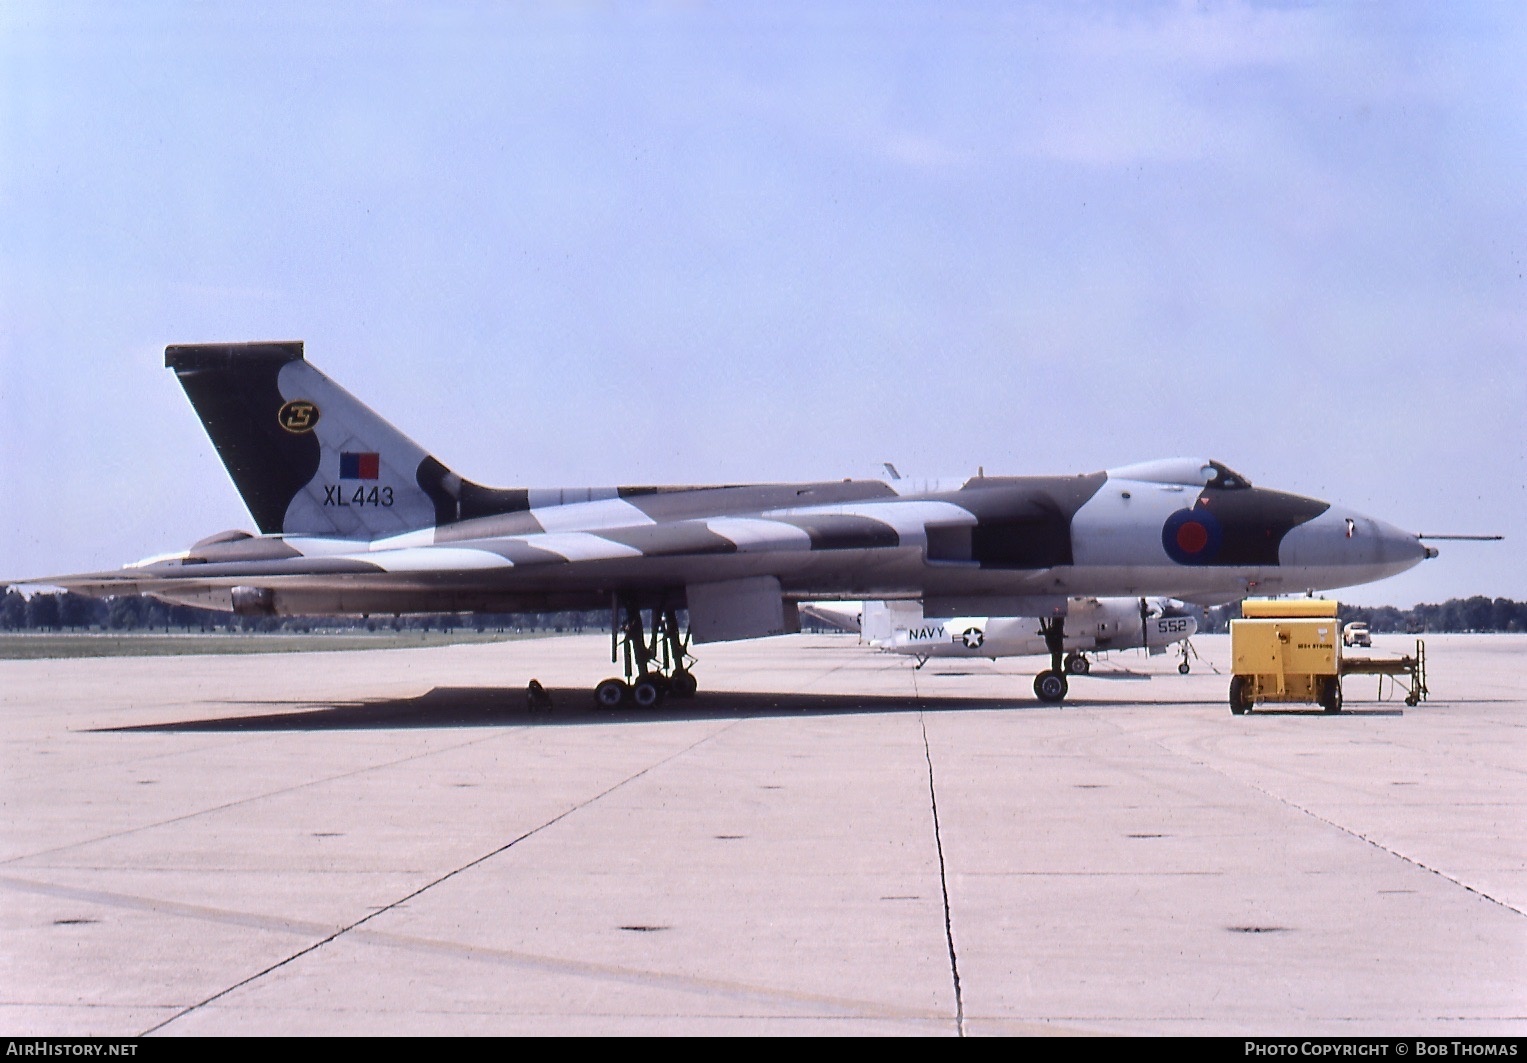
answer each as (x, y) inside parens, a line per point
(1092, 625)
(356, 518)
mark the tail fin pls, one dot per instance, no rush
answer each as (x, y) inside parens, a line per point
(880, 620)
(306, 455)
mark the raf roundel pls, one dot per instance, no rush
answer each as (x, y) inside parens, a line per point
(1191, 537)
(298, 416)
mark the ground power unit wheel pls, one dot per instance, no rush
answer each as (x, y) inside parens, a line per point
(1240, 694)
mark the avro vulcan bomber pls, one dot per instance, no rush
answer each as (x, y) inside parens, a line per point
(355, 518)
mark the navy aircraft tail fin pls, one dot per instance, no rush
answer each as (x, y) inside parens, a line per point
(311, 459)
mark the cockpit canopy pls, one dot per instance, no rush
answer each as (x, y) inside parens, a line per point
(1191, 472)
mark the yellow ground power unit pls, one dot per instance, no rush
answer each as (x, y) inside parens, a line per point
(1286, 650)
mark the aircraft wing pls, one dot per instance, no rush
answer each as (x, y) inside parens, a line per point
(561, 569)
(845, 616)
(1209, 600)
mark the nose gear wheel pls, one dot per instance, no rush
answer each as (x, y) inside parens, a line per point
(1051, 686)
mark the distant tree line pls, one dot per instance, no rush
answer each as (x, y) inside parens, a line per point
(76, 612)
(131, 612)
(1456, 614)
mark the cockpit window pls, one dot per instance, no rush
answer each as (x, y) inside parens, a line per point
(1189, 472)
(1226, 479)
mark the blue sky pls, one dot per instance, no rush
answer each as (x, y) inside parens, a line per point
(566, 244)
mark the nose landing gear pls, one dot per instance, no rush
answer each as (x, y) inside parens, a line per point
(1051, 686)
(1183, 667)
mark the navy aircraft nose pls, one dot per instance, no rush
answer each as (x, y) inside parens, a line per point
(1171, 608)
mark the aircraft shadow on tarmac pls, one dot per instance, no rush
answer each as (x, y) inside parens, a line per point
(444, 707)
(507, 706)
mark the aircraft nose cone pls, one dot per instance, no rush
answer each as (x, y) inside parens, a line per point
(1398, 546)
(1341, 548)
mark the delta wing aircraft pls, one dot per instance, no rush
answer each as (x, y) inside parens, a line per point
(356, 518)
(1093, 625)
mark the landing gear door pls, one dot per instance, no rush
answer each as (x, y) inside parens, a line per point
(739, 609)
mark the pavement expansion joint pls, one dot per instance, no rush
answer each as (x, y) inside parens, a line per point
(943, 879)
(1197, 762)
(807, 1002)
(250, 799)
(401, 901)
(1384, 848)
(1200, 763)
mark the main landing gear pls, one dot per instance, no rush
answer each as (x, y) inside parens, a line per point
(1051, 685)
(656, 660)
